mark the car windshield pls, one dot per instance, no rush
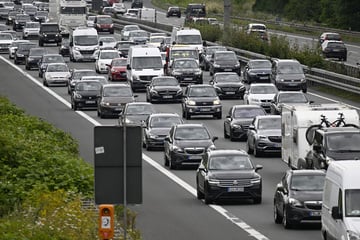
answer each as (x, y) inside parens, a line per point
(230, 162)
(5, 37)
(165, 82)
(144, 62)
(37, 52)
(119, 62)
(352, 202)
(290, 69)
(263, 90)
(138, 34)
(185, 64)
(109, 55)
(202, 92)
(117, 92)
(344, 142)
(336, 45)
(307, 182)
(88, 86)
(164, 121)
(333, 37)
(32, 25)
(156, 39)
(101, 79)
(248, 112)
(53, 59)
(137, 109)
(182, 53)
(50, 28)
(124, 45)
(192, 133)
(91, 18)
(23, 18)
(227, 78)
(107, 39)
(78, 74)
(25, 47)
(131, 28)
(260, 64)
(189, 39)
(229, 56)
(210, 51)
(103, 20)
(269, 123)
(85, 40)
(292, 98)
(259, 27)
(57, 68)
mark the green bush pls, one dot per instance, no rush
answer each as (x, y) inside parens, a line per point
(211, 33)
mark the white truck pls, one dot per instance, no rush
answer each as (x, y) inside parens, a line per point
(147, 14)
(295, 120)
(187, 36)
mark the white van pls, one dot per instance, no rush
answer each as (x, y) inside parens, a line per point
(143, 63)
(187, 36)
(341, 201)
(84, 44)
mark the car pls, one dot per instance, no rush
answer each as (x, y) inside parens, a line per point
(258, 30)
(100, 79)
(228, 174)
(228, 85)
(64, 49)
(334, 49)
(288, 74)
(137, 4)
(56, 74)
(238, 120)
(3, 27)
(298, 197)
(264, 135)
(164, 89)
(107, 42)
(22, 52)
(224, 61)
(205, 57)
(41, 16)
(76, 75)
(138, 36)
(119, 8)
(186, 144)
(201, 99)
(20, 20)
(6, 39)
(124, 34)
(49, 58)
(14, 45)
(132, 13)
(32, 60)
(123, 47)
(117, 69)
(289, 98)
(260, 94)
(329, 36)
(85, 94)
(90, 21)
(113, 98)
(186, 71)
(50, 32)
(11, 16)
(42, 6)
(173, 11)
(108, 11)
(194, 10)
(104, 23)
(31, 29)
(158, 34)
(157, 127)
(257, 70)
(12, 32)
(29, 9)
(135, 113)
(156, 41)
(104, 58)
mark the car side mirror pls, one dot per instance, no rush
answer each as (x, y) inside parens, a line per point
(280, 187)
(258, 167)
(202, 169)
(167, 139)
(101, 43)
(173, 43)
(317, 148)
(311, 102)
(71, 44)
(251, 127)
(214, 138)
(335, 213)
(128, 67)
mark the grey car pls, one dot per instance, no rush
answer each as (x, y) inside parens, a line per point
(135, 113)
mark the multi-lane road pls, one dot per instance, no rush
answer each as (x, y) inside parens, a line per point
(170, 209)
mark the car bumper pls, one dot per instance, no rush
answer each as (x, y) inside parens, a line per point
(57, 82)
(291, 85)
(231, 93)
(234, 192)
(303, 214)
(258, 79)
(186, 159)
(206, 110)
(111, 110)
(228, 69)
(33, 64)
(119, 76)
(166, 97)
(86, 103)
(50, 39)
(268, 146)
(239, 132)
(155, 142)
(185, 80)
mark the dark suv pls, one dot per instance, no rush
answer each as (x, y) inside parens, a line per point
(137, 4)
(49, 33)
(224, 61)
(22, 52)
(186, 70)
(201, 99)
(20, 20)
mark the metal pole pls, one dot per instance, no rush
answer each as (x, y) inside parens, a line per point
(227, 15)
(125, 197)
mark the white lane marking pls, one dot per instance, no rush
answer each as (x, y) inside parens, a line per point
(237, 221)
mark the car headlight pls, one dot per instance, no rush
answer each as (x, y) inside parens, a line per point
(216, 65)
(198, 72)
(180, 91)
(237, 65)
(215, 182)
(302, 80)
(96, 48)
(45, 35)
(176, 73)
(294, 202)
(235, 126)
(76, 48)
(216, 102)
(152, 91)
(77, 96)
(152, 136)
(49, 77)
(254, 100)
(191, 102)
(281, 80)
(262, 136)
(102, 64)
(135, 77)
(211, 147)
(351, 235)
(30, 59)
(178, 149)
(128, 121)
(105, 104)
(256, 180)
(328, 160)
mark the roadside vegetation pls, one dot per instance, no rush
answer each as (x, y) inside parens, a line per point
(43, 182)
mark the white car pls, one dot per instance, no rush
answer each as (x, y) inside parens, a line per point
(156, 41)
(56, 74)
(119, 8)
(6, 40)
(260, 94)
(31, 29)
(101, 79)
(104, 58)
(131, 13)
(14, 46)
(90, 21)
(126, 30)
(107, 42)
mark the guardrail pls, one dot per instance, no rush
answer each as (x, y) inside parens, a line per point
(314, 75)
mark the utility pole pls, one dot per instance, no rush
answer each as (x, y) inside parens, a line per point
(227, 19)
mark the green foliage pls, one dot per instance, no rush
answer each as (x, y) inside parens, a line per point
(210, 33)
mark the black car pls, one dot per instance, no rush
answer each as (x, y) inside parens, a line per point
(22, 52)
(157, 127)
(186, 70)
(287, 97)
(298, 197)
(11, 17)
(123, 47)
(228, 85)
(49, 58)
(64, 48)
(205, 57)
(264, 135)
(334, 49)
(76, 75)
(257, 70)
(164, 89)
(135, 113)
(228, 174)
(173, 11)
(224, 61)
(239, 119)
(35, 54)
(20, 20)
(186, 145)
(49, 33)
(85, 94)
(137, 4)
(201, 99)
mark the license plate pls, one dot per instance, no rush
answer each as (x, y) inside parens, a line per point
(89, 102)
(205, 109)
(264, 78)
(194, 157)
(187, 79)
(235, 189)
(336, 50)
(229, 93)
(118, 109)
(51, 40)
(315, 213)
(167, 96)
(228, 69)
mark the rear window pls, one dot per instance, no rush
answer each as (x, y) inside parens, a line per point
(333, 37)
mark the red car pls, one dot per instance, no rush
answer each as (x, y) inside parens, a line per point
(117, 70)
(104, 23)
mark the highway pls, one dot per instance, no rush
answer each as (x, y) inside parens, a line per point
(170, 209)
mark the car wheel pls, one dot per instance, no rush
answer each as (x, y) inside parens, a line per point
(232, 138)
(199, 194)
(147, 147)
(187, 115)
(208, 199)
(166, 160)
(257, 153)
(218, 115)
(172, 164)
(249, 149)
(277, 217)
(27, 67)
(225, 134)
(304, 90)
(257, 200)
(75, 107)
(285, 220)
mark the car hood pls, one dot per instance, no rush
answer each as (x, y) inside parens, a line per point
(262, 96)
(35, 57)
(295, 76)
(353, 224)
(229, 84)
(57, 74)
(160, 131)
(193, 143)
(137, 118)
(118, 99)
(242, 121)
(163, 88)
(343, 155)
(260, 71)
(232, 174)
(31, 29)
(104, 61)
(306, 195)
(270, 132)
(89, 93)
(118, 68)
(226, 62)
(203, 99)
(6, 41)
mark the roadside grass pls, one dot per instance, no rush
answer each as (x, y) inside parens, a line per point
(337, 92)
